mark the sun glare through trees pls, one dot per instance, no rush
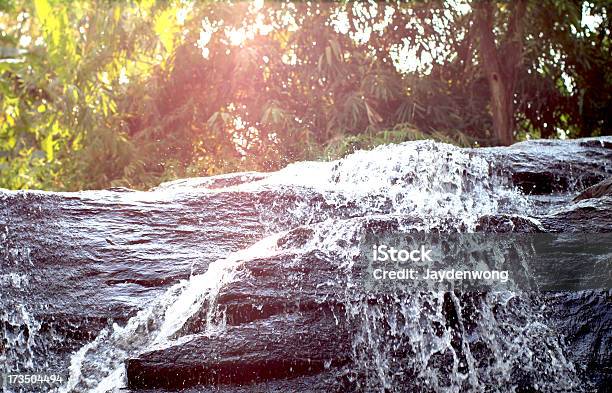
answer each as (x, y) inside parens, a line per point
(95, 94)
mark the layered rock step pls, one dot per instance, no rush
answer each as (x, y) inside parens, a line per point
(283, 346)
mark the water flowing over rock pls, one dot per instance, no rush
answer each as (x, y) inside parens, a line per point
(599, 190)
(249, 282)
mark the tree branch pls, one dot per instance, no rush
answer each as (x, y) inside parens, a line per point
(485, 12)
(513, 42)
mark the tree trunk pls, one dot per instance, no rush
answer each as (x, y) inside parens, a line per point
(501, 64)
(502, 106)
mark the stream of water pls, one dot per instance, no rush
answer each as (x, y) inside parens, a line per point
(398, 342)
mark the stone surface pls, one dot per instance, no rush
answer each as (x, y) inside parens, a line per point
(601, 189)
(592, 215)
(271, 300)
(72, 264)
(286, 346)
(77, 263)
(586, 321)
(546, 166)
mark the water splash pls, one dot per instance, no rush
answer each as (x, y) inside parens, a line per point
(446, 186)
(19, 331)
(98, 366)
(440, 341)
(437, 340)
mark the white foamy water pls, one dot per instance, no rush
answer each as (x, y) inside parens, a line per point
(99, 365)
(435, 181)
(402, 340)
(16, 328)
(445, 187)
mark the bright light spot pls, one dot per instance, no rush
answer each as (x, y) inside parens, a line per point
(237, 36)
(590, 22)
(261, 26)
(568, 81)
(286, 17)
(257, 5)
(205, 35)
(461, 7)
(340, 22)
(239, 124)
(289, 58)
(181, 13)
(22, 16)
(561, 134)
(25, 40)
(104, 78)
(363, 14)
(123, 78)
(405, 59)
(380, 26)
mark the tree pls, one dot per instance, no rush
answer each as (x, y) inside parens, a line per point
(501, 62)
(59, 93)
(130, 94)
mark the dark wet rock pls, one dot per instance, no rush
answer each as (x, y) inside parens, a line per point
(540, 182)
(83, 261)
(547, 166)
(213, 182)
(593, 215)
(599, 190)
(505, 223)
(586, 321)
(268, 290)
(322, 382)
(597, 143)
(286, 346)
(285, 284)
(120, 189)
(95, 258)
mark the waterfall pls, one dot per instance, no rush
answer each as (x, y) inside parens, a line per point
(99, 365)
(442, 341)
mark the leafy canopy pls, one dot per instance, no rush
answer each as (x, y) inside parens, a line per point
(131, 93)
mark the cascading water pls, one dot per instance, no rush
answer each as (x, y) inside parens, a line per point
(438, 341)
(152, 327)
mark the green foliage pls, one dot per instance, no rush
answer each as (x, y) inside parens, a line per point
(400, 133)
(99, 94)
(60, 94)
